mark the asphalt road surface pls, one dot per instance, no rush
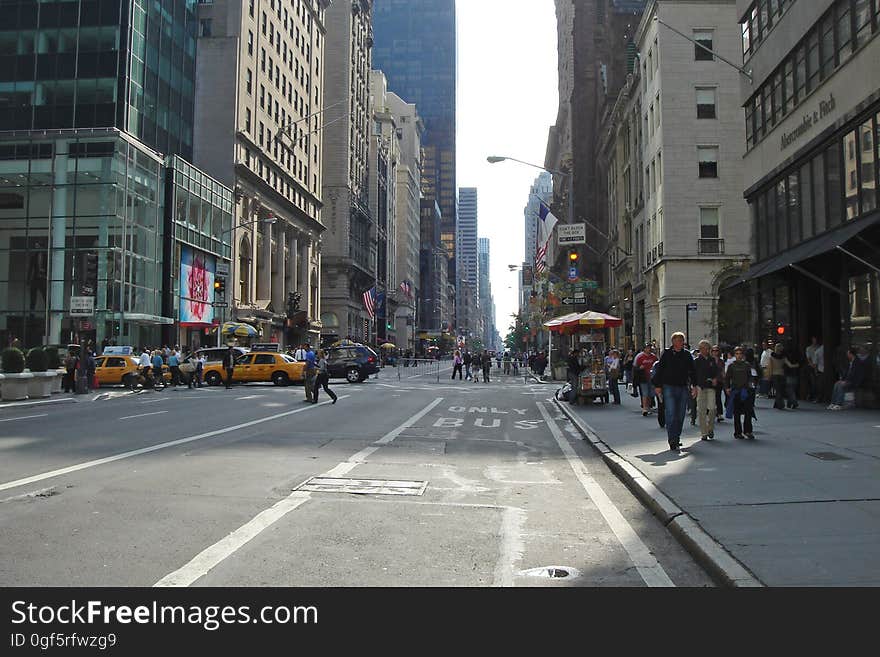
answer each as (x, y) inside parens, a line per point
(401, 483)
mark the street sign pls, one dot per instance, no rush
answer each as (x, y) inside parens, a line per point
(572, 273)
(571, 301)
(221, 305)
(569, 234)
(692, 307)
(82, 306)
(266, 346)
(223, 269)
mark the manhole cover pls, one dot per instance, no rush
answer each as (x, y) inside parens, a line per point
(829, 456)
(363, 486)
(551, 572)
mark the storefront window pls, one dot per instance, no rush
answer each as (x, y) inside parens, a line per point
(806, 182)
(781, 217)
(820, 209)
(851, 175)
(794, 209)
(771, 222)
(868, 167)
(834, 188)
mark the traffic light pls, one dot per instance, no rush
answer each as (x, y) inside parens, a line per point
(573, 258)
(780, 330)
(388, 325)
(220, 287)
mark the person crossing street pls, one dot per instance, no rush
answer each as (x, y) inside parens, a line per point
(229, 366)
(311, 373)
(322, 379)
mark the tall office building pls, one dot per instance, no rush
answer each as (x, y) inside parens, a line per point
(259, 112)
(350, 257)
(416, 49)
(94, 99)
(487, 302)
(541, 192)
(466, 283)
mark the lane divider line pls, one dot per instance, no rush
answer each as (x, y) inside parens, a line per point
(131, 417)
(215, 554)
(26, 417)
(154, 448)
(646, 564)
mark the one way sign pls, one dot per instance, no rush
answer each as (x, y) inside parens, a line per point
(571, 301)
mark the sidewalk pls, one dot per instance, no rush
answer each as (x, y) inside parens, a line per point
(791, 518)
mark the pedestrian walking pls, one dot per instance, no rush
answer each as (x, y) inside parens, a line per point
(516, 362)
(820, 373)
(498, 360)
(628, 360)
(778, 363)
(738, 382)
(157, 362)
(506, 361)
(322, 378)
(613, 374)
(766, 378)
(300, 354)
(810, 371)
(311, 373)
(720, 361)
(707, 375)
(229, 366)
(792, 377)
(541, 363)
(643, 363)
(486, 361)
(457, 364)
(69, 381)
(468, 360)
(674, 381)
(195, 381)
(174, 366)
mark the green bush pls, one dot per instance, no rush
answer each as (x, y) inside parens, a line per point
(54, 358)
(13, 361)
(37, 361)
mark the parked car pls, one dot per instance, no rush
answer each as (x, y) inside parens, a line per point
(257, 367)
(353, 363)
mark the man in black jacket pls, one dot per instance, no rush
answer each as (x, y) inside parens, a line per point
(574, 368)
(707, 376)
(674, 381)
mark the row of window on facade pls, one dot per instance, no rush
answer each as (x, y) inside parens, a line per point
(830, 43)
(704, 42)
(281, 12)
(760, 18)
(837, 184)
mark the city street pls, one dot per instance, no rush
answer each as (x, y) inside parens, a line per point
(471, 484)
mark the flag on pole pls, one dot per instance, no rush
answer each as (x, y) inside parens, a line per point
(370, 302)
(547, 222)
(406, 288)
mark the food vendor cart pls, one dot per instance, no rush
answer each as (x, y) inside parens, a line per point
(586, 331)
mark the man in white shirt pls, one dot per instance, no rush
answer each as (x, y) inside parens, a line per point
(764, 385)
(144, 362)
(820, 372)
(300, 354)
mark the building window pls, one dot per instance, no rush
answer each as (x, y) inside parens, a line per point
(251, 8)
(851, 189)
(703, 40)
(709, 226)
(706, 103)
(708, 161)
(250, 43)
(205, 27)
(247, 121)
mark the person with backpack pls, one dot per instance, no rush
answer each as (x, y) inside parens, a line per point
(674, 381)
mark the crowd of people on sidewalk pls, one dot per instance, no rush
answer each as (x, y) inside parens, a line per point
(713, 383)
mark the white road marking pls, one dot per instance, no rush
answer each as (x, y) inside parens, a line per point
(131, 417)
(512, 522)
(212, 556)
(647, 565)
(248, 397)
(26, 417)
(154, 448)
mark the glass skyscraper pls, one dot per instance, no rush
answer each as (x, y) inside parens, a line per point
(96, 96)
(415, 46)
(128, 64)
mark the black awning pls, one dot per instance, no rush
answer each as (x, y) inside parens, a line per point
(806, 250)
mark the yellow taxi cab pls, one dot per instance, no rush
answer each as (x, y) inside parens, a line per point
(111, 370)
(259, 366)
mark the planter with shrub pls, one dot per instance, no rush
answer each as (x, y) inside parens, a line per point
(40, 386)
(15, 379)
(55, 365)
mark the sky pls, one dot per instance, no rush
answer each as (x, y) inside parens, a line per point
(507, 101)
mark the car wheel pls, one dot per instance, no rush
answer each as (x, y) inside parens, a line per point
(213, 379)
(352, 375)
(280, 379)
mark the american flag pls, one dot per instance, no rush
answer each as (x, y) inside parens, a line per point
(406, 288)
(545, 232)
(370, 302)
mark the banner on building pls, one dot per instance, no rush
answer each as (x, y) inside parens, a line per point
(197, 271)
(528, 275)
(569, 234)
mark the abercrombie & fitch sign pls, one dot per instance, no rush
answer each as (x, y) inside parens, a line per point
(809, 121)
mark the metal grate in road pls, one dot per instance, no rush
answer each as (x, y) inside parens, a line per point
(829, 456)
(363, 486)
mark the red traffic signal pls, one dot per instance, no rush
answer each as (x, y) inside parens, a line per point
(780, 330)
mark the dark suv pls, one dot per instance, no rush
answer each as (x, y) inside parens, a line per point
(354, 363)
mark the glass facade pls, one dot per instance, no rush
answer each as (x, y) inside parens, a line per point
(415, 46)
(128, 64)
(81, 215)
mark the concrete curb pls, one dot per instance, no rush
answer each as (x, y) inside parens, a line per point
(43, 402)
(711, 555)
